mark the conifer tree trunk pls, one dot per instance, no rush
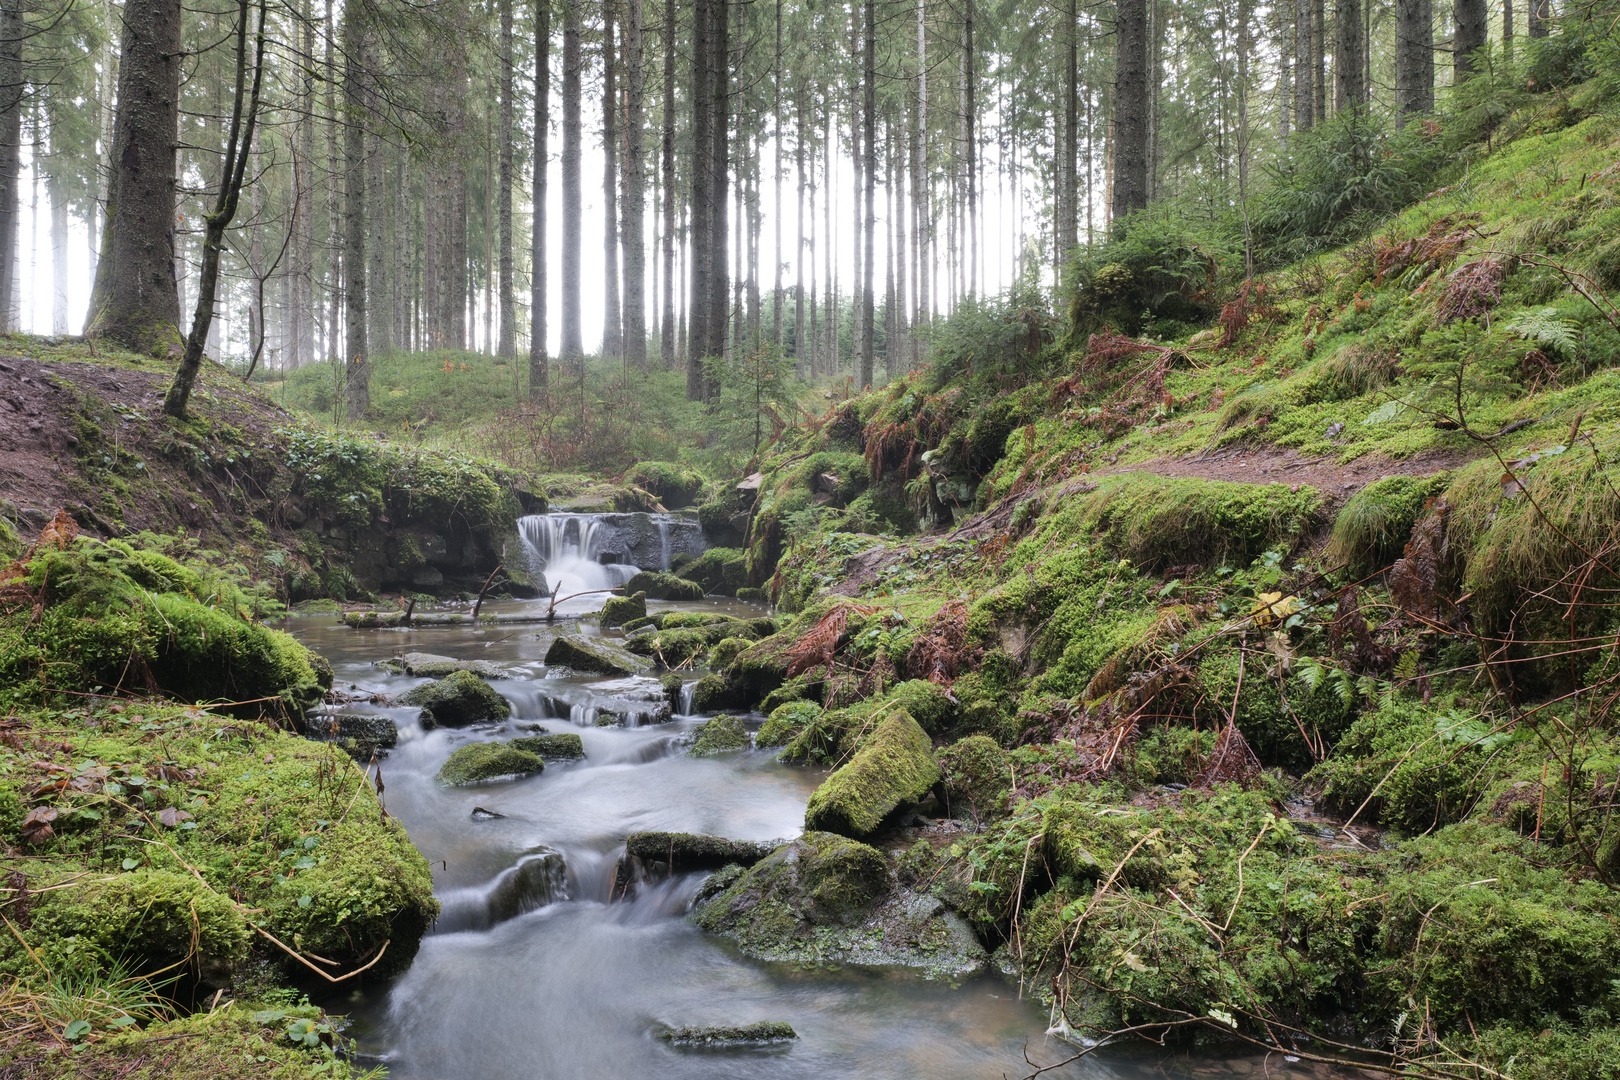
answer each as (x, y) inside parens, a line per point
(301, 286)
(1536, 13)
(1130, 109)
(136, 301)
(1414, 58)
(357, 383)
(869, 154)
(331, 338)
(1349, 90)
(802, 252)
(776, 183)
(1304, 84)
(612, 318)
(719, 174)
(1319, 58)
(701, 234)
(379, 306)
(922, 220)
(506, 348)
(1066, 186)
(1471, 18)
(539, 361)
(635, 194)
(970, 145)
(572, 352)
(667, 334)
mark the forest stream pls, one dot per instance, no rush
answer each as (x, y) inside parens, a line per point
(577, 985)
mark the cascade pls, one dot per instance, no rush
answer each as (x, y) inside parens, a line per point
(585, 552)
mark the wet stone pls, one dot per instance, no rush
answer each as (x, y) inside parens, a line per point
(592, 656)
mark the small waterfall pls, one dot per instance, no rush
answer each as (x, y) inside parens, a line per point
(537, 880)
(688, 692)
(565, 550)
(663, 541)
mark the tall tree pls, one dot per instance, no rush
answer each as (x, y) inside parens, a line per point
(1535, 18)
(666, 334)
(1471, 18)
(612, 319)
(507, 345)
(1130, 109)
(869, 153)
(635, 190)
(573, 349)
(702, 198)
(1349, 89)
(135, 301)
(12, 86)
(1304, 81)
(357, 379)
(1414, 58)
(1067, 190)
(539, 363)
(244, 120)
(921, 215)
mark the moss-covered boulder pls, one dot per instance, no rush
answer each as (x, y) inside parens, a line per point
(661, 586)
(718, 735)
(760, 1033)
(681, 852)
(928, 703)
(360, 734)
(621, 609)
(593, 656)
(564, 746)
(127, 616)
(488, 761)
(721, 571)
(785, 722)
(713, 693)
(827, 899)
(895, 768)
(726, 650)
(458, 699)
(433, 666)
(978, 776)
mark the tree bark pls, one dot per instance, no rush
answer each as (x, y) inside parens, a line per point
(667, 334)
(1130, 110)
(869, 153)
(300, 291)
(612, 318)
(379, 306)
(922, 221)
(701, 234)
(719, 174)
(539, 360)
(1304, 83)
(1536, 14)
(1471, 18)
(635, 193)
(357, 380)
(1067, 189)
(1349, 89)
(1414, 58)
(573, 349)
(136, 301)
(506, 347)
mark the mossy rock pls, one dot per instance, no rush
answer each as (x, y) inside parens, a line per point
(674, 486)
(682, 852)
(433, 666)
(116, 614)
(750, 595)
(721, 571)
(661, 586)
(895, 768)
(713, 693)
(594, 656)
(726, 650)
(820, 879)
(764, 1032)
(928, 703)
(479, 762)
(1371, 530)
(621, 609)
(361, 735)
(978, 776)
(459, 699)
(718, 735)
(565, 746)
(786, 722)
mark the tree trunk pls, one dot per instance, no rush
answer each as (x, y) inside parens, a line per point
(701, 238)
(300, 292)
(506, 348)
(922, 221)
(1414, 58)
(1304, 92)
(334, 199)
(612, 318)
(776, 185)
(800, 251)
(1130, 110)
(970, 144)
(573, 349)
(667, 334)
(539, 360)
(869, 154)
(59, 250)
(357, 383)
(635, 193)
(1471, 17)
(719, 174)
(1319, 58)
(1067, 189)
(1536, 14)
(379, 309)
(136, 301)
(1349, 89)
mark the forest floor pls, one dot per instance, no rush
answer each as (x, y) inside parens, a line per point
(1336, 480)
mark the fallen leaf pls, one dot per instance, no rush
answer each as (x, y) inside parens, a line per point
(36, 827)
(171, 817)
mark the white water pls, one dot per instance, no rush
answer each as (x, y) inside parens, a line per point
(562, 548)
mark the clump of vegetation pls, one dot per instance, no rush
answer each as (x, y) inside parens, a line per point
(478, 763)
(718, 735)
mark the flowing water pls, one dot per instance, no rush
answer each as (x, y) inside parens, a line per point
(532, 973)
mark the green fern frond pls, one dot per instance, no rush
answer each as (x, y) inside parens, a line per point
(1546, 329)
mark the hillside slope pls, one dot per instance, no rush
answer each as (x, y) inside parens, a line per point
(1276, 663)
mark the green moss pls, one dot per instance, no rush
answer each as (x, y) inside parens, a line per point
(928, 703)
(622, 609)
(594, 655)
(1373, 527)
(564, 745)
(761, 1032)
(718, 735)
(894, 768)
(459, 699)
(978, 775)
(726, 650)
(820, 879)
(479, 762)
(721, 571)
(661, 586)
(785, 723)
(683, 852)
(675, 487)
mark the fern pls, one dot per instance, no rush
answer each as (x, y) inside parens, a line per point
(1546, 329)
